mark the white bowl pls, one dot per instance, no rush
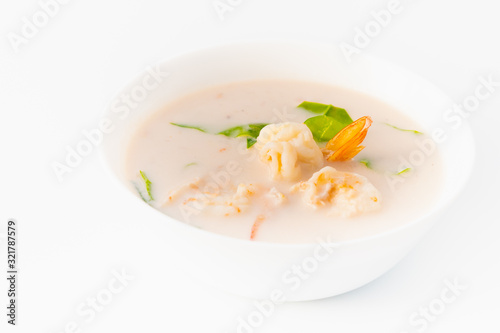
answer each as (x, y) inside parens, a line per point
(265, 270)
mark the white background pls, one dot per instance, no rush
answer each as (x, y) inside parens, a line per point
(75, 233)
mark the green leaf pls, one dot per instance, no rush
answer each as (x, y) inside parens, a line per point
(404, 130)
(233, 132)
(251, 142)
(340, 115)
(332, 120)
(147, 183)
(140, 193)
(189, 126)
(190, 164)
(403, 171)
(254, 129)
(251, 131)
(323, 128)
(315, 107)
(367, 163)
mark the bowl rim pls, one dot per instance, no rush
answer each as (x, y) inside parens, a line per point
(442, 205)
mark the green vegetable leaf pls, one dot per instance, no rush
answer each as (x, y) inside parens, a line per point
(404, 130)
(332, 119)
(315, 107)
(233, 132)
(323, 128)
(367, 163)
(190, 164)
(189, 126)
(251, 142)
(140, 193)
(147, 183)
(339, 114)
(403, 171)
(251, 131)
(255, 129)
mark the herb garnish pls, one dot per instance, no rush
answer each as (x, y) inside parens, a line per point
(140, 193)
(403, 171)
(147, 184)
(189, 126)
(332, 120)
(315, 107)
(251, 131)
(323, 128)
(404, 130)
(366, 163)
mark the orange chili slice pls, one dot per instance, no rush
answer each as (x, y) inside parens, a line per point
(256, 226)
(347, 143)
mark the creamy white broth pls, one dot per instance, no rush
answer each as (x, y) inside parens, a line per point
(171, 157)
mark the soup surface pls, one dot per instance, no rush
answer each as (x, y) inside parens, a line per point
(214, 182)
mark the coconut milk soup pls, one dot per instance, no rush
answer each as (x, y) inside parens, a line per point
(244, 160)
